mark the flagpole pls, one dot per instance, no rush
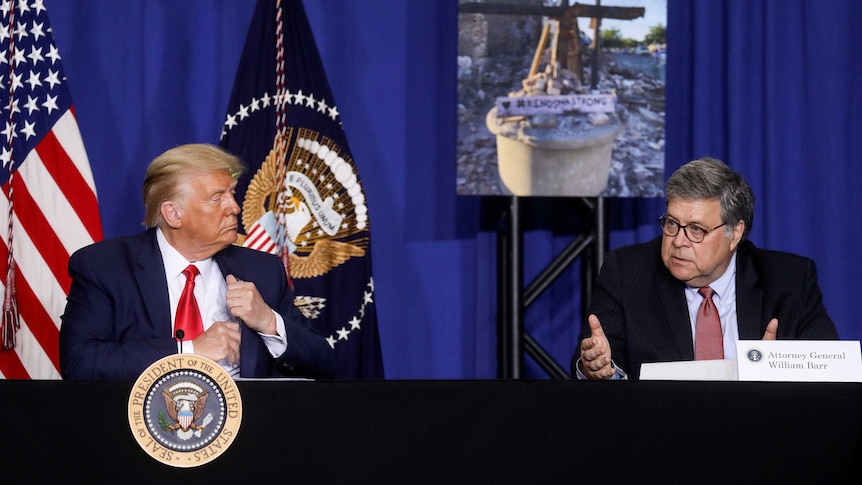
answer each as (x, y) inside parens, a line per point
(9, 322)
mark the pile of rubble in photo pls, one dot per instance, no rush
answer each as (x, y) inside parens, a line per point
(637, 165)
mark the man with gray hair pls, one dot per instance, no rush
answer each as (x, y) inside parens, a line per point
(691, 293)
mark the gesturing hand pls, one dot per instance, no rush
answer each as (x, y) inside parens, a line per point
(771, 330)
(596, 352)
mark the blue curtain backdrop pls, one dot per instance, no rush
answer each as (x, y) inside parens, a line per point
(770, 86)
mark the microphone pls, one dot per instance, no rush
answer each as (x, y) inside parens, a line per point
(180, 335)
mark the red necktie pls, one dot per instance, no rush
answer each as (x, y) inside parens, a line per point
(708, 342)
(188, 314)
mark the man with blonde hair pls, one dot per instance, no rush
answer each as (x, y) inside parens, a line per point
(130, 296)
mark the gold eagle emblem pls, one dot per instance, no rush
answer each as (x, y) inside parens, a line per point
(184, 410)
(318, 249)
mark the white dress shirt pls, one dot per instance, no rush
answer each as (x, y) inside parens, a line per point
(725, 301)
(210, 290)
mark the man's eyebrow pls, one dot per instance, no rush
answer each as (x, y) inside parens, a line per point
(689, 223)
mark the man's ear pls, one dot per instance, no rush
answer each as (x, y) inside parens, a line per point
(738, 231)
(172, 214)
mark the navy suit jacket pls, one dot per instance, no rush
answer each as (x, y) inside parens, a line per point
(117, 319)
(643, 310)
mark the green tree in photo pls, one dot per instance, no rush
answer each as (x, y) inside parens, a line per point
(656, 35)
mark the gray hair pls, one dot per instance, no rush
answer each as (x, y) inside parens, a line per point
(167, 172)
(709, 178)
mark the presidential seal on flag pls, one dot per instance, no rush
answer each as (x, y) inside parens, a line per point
(310, 210)
(185, 410)
(304, 200)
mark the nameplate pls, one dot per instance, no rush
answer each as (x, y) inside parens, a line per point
(689, 370)
(533, 105)
(799, 360)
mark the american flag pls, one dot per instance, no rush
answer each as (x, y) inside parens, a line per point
(49, 208)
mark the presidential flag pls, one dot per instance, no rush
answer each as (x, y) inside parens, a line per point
(49, 207)
(303, 199)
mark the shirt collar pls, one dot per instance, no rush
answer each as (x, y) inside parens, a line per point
(175, 262)
(722, 285)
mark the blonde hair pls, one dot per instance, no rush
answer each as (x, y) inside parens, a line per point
(166, 172)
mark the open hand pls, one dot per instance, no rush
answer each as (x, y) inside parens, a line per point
(596, 352)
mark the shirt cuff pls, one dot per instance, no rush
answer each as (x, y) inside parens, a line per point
(619, 374)
(277, 343)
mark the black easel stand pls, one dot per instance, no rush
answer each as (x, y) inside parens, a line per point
(513, 298)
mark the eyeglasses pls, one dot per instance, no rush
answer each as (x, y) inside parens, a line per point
(693, 232)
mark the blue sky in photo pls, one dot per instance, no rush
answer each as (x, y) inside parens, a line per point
(655, 14)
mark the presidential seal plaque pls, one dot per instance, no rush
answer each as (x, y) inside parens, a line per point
(185, 410)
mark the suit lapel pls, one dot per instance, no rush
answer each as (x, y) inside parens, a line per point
(225, 263)
(250, 344)
(672, 294)
(748, 296)
(152, 284)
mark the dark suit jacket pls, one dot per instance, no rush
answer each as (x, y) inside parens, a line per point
(644, 313)
(117, 320)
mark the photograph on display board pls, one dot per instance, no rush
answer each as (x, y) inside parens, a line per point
(561, 99)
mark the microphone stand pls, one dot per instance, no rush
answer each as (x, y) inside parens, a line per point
(180, 334)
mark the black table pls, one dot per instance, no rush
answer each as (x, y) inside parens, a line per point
(465, 431)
